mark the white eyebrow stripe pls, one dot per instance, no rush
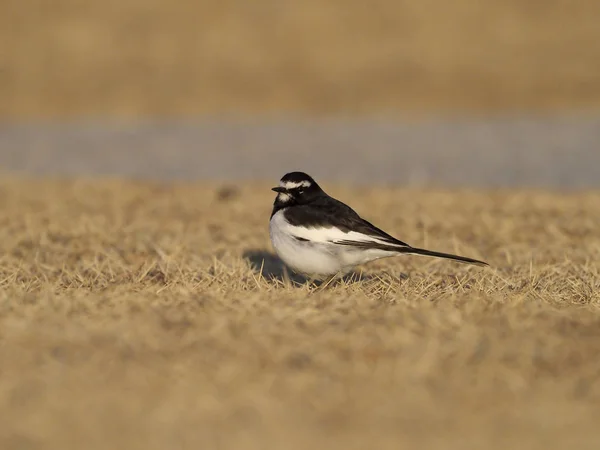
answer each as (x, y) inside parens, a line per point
(294, 184)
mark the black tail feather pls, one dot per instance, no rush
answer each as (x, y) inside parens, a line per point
(422, 251)
(407, 249)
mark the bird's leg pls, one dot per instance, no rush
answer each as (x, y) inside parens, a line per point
(327, 282)
(286, 277)
(310, 282)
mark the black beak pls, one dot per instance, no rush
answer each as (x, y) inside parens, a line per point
(279, 189)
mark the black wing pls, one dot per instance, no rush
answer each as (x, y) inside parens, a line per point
(327, 212)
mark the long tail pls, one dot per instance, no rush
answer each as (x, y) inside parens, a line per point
(401, 247)
(422, 251)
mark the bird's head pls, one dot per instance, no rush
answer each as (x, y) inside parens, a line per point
(296, 188)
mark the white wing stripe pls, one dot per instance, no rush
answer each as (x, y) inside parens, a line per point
(330, 235)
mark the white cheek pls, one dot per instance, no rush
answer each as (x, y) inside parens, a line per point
(283, 197)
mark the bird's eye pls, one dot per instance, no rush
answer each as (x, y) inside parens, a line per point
(301, 191)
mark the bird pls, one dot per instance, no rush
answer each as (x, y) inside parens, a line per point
(322, 238)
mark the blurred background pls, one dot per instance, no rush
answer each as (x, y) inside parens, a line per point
(389, 91)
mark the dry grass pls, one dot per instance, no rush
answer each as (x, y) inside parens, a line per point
(141, 57)
(129, 318)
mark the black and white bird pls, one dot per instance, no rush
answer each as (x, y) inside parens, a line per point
(322, 238)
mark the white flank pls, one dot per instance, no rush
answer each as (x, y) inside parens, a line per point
(320, 254)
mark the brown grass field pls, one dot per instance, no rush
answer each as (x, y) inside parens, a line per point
(136, 315)
(131, 58)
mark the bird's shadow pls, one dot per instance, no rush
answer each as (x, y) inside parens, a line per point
(272, 268)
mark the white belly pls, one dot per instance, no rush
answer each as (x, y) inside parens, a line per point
(317, 259)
